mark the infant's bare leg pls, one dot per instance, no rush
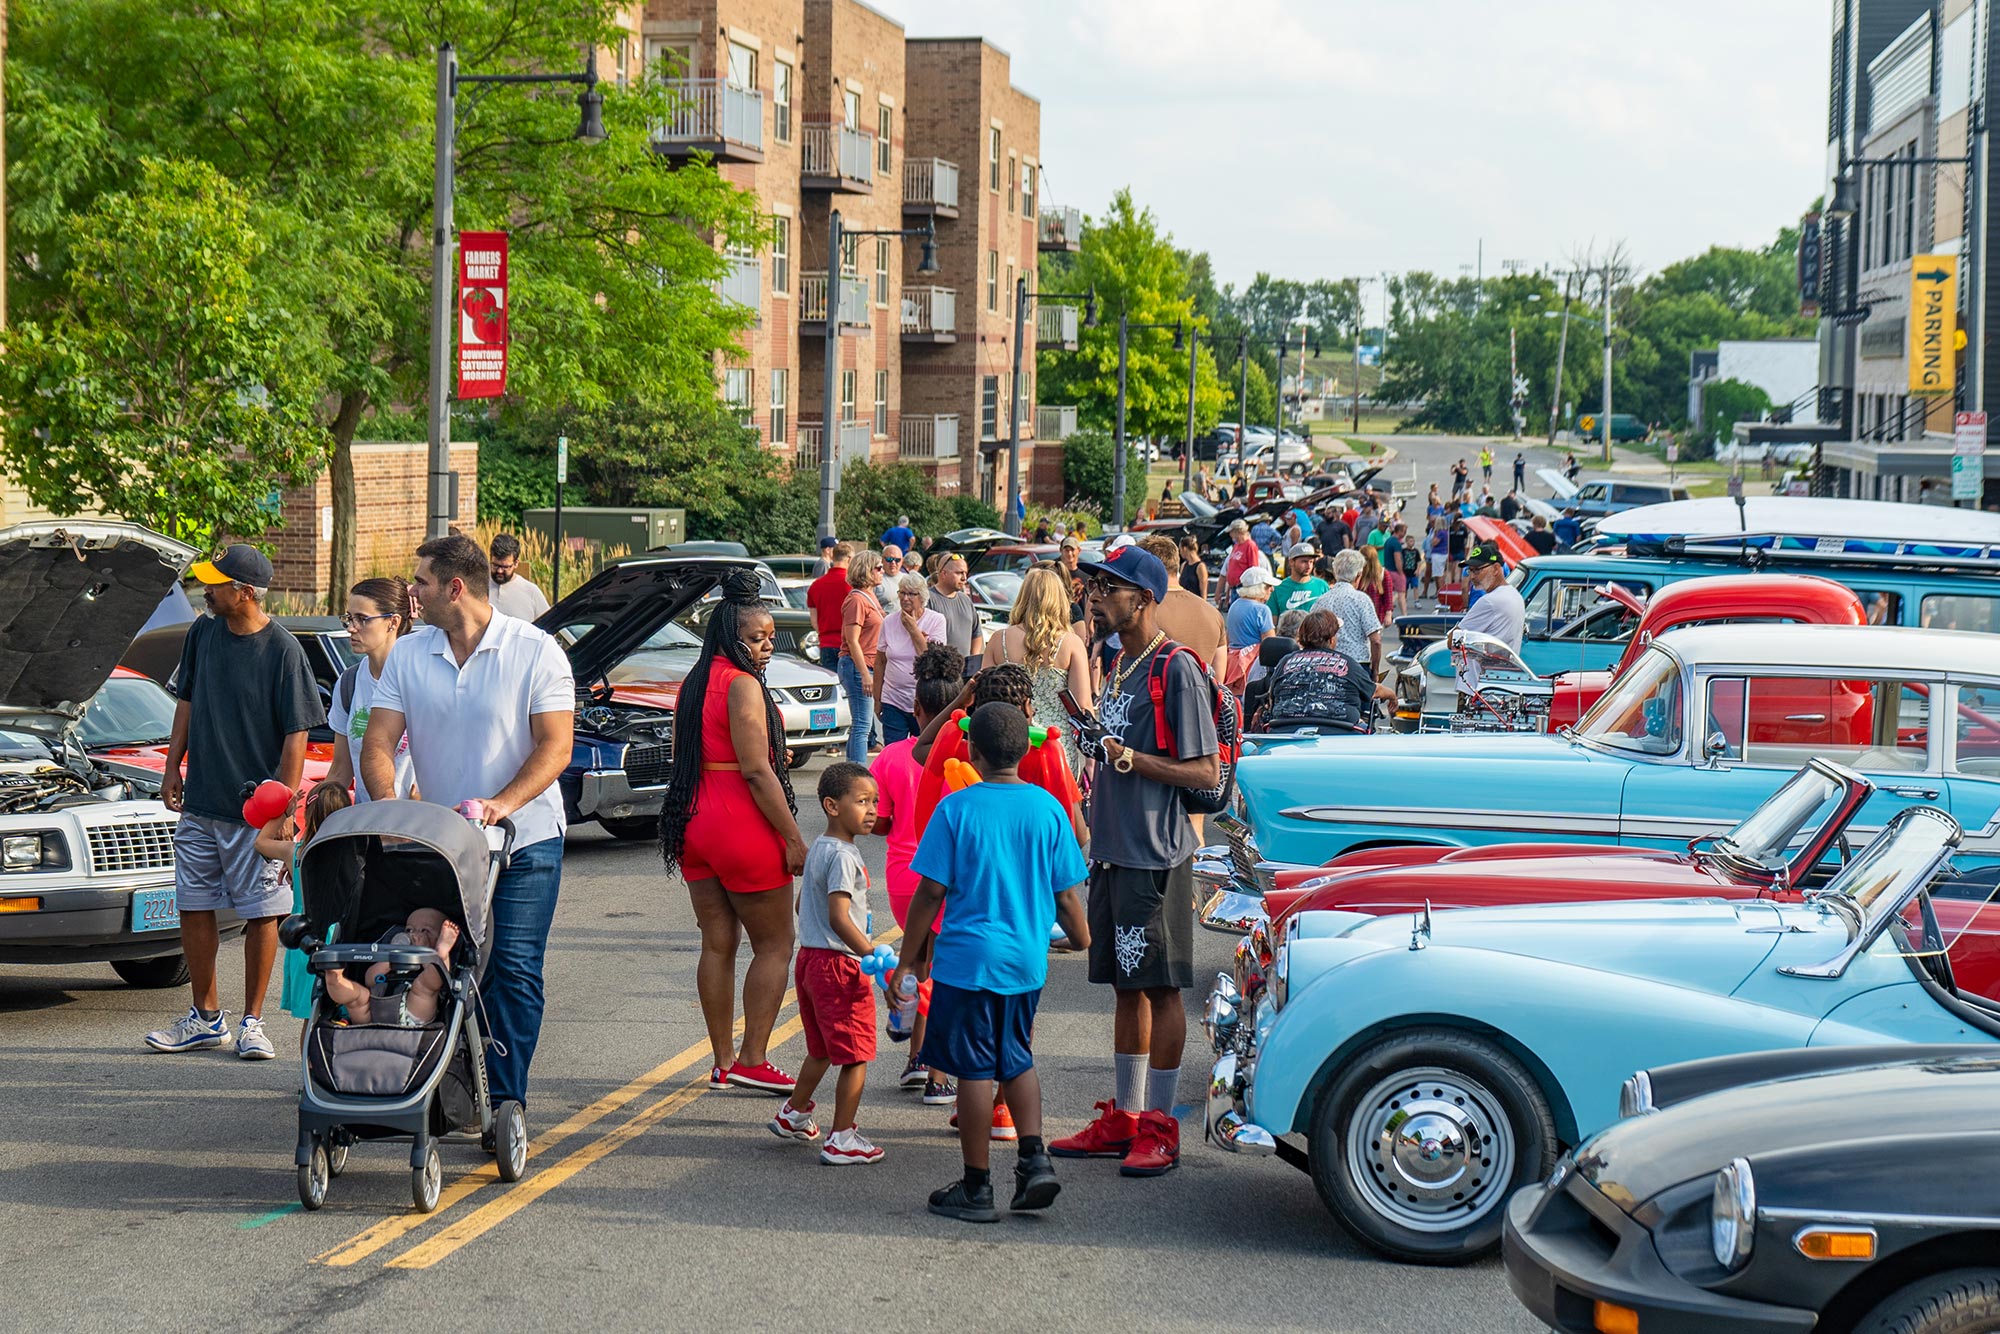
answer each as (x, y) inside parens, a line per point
(344, 990)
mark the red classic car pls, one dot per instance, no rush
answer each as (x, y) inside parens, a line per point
(1710, 601)
(126, 726)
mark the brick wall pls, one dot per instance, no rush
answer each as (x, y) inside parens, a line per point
(391, 484)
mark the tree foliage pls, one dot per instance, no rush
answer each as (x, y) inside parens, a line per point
(1087, 472)
(163, 376)
(1723, 404)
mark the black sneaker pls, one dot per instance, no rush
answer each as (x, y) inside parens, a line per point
(1035, 1184)
(967, 1205)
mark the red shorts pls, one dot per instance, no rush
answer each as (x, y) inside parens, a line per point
(730, 840)
(836, 1007)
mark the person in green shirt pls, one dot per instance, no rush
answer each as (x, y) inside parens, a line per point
(1301, 587)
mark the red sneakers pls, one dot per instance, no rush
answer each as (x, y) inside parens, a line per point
(718, 1078)
(765, 1078)
(1156, 1148)
(1109, 1136)
(1003, 1123)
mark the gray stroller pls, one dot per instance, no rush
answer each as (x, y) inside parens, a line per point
(363, 873)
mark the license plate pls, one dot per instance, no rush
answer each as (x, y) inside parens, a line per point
(155, 910)
(822, 719)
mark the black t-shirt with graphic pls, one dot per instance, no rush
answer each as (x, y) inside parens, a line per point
(1134, 821)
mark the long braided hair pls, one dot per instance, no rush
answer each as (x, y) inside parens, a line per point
(741, 600)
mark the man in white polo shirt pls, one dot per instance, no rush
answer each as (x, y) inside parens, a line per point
(487, 702)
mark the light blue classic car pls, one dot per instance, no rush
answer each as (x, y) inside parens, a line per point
(1703, 726)
(1429, 1064)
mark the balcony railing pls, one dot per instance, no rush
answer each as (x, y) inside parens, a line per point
(744, 283)
(855, 299)
(1055, 327)
(930, 313)
(854, 443)
(930, 184)
(1053, 423)
(1062, 229)
(834, 152)
(712, 115)
(929, 437)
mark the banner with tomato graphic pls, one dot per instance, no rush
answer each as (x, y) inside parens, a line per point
(482, 314)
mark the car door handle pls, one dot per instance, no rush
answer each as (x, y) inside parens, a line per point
(1919, 793)
(1805, 717)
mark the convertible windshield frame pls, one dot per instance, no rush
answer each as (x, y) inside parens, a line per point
(1761, 844)
(1872, 890)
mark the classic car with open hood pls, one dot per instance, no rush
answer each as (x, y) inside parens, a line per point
(86, 862)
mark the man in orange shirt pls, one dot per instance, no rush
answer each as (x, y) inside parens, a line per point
(824, 597)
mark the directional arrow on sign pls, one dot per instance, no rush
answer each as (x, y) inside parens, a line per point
(1934, 276)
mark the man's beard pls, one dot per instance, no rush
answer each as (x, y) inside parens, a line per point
(499, 578)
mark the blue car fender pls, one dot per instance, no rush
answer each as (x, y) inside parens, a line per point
(1578, 1031)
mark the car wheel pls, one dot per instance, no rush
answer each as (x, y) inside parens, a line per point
(1296, 470)
(1959, 1301)
(634, 827)
(169, 970)
(796, 758)
(313, 1177)
(1421, 1139)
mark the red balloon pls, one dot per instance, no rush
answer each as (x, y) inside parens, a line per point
(271, 800)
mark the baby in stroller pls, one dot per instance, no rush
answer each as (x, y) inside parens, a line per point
(390, 996)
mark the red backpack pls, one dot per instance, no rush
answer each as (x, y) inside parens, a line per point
(1228, 730)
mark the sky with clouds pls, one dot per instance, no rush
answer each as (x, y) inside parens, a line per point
(1325, 138)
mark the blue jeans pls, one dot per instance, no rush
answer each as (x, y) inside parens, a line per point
(861, 706)
(897, 724)
(524, 904)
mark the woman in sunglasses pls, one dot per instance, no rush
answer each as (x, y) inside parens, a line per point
(378, 612)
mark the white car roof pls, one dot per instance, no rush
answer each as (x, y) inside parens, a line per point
(1864, 648)
(1717, 517)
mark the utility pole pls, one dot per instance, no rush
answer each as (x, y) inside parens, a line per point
(1187, 451)
(1118, 455)
(829, 430)
(1242, 398)
(1604, 423)
(443, 510)
(1975, 302)
(1010, 517)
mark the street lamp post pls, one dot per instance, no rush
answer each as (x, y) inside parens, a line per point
(1011, 518)
(836, 238)
(590, 104)
(1187, 452)
(1562, 348)
(1604, 425)
(1125, 328)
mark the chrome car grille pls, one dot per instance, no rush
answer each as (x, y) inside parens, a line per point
(1243, 853)
(811, 694)
(142, 845)
(646, 766)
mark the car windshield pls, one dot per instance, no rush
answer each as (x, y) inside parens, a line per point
(999, 587)
(1879, 879)
(1642, 709)
(674, 634)
(1762, 840)
(127, 711)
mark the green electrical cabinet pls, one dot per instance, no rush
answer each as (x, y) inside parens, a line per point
(609, 530)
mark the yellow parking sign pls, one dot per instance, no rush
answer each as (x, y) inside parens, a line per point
(1933, 323)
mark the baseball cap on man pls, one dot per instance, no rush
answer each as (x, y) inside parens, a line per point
(1301, 549)
(828, 541)
(238, 564)
(1070, 543)
(1255, 576)
(1481, 555)
(1133, 565)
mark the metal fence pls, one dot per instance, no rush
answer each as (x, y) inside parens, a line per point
(929, 437)
(929, 310)
(708, 110)
(1055, 324)
(855, 298)
(1054, 423)
(834, 150)
(930, 181)
(1062, 227)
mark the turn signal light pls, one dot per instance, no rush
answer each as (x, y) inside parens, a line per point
(1825, 1243)
(1611, 1318)
(20, 905)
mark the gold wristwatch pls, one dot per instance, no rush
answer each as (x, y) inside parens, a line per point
(1123, 764)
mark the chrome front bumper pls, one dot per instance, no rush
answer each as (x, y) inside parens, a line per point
(1226, 1126)
(609, 794)
(1229, 904)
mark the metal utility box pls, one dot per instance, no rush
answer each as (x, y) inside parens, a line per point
(605, 529)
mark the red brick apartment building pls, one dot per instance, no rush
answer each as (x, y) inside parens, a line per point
(824, 105)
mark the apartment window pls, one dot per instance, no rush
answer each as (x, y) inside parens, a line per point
(781, 102)
(850, 109)
(742, 66)
(624, 62)
(885, 125)
(781, 392)
(993, 280)
(993, 160)
(1010, 182)
(1009, 288)
(881, 270)
(989, 407)
(736, 393)
(1909, 179)
(850, 256)
(670, 60)
(847, 396)
(1027, 189)
(881, 403)
(781, 254)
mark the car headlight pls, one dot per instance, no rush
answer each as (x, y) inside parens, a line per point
(1732, 1225)
(45, 851)
(1635, 1096)
(1281, 966)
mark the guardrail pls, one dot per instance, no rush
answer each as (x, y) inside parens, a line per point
(1061, 228)
(855, 299)
(1054, 423)
(929, 437)
(712, 110)
(1055, 325)
(930, 182)
(834, 150)
(929, 310)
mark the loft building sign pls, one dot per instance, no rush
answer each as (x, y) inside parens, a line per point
(1933, 323)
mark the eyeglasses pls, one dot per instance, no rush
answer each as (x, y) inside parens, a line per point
(354, 622)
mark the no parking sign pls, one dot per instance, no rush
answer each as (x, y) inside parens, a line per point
(482, 314)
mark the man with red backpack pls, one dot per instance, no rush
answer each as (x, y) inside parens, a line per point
(1160, 736)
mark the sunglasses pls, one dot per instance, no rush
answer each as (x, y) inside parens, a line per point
(355, 622)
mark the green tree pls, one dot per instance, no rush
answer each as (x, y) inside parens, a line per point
(321, 110)
(1136, 271)
(1723, 404)
(1087, 472)
(162, 376)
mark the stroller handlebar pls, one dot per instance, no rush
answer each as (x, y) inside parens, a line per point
(500, 840)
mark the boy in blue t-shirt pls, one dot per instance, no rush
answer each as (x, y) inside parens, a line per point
(1004, 852)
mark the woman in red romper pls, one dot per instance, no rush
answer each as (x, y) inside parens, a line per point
(728, 828)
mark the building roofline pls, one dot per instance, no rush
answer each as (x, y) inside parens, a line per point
(886, 18)
(1012, 87)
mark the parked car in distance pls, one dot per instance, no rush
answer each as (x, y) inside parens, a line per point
(1016, 555)
(1291, 457)
(793, 566)
(1434, 1063)
(128, 723)
(1777, 1191)
(1598, 496)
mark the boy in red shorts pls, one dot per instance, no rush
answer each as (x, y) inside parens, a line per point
(836, 1003)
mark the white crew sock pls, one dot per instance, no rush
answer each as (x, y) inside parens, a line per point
(1160, 1088)
(1131, 1082)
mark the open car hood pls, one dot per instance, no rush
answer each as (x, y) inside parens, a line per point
(624, 604)
(73, 593)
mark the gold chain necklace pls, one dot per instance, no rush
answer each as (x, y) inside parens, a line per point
(1119, 678)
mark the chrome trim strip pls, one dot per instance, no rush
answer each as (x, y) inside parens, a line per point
(1837, 1217)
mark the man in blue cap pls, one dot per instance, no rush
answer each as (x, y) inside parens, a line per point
(1142, 846)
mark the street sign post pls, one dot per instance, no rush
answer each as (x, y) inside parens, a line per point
(1933, 323)
(562, 476)
(1968, 456)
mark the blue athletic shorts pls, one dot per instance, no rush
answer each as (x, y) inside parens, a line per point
(980, 1034)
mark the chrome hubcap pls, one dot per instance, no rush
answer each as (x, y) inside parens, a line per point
(1430, 1149)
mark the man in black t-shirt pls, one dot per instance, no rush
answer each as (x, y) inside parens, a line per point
(1540, 538)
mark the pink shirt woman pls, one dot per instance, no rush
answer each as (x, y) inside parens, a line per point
(896, 772)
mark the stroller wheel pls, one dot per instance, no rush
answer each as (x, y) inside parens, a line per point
(336, 1155)
(510, 1140)
(313, 1177)
(427, 1181)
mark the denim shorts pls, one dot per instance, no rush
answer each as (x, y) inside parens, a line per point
(216, 866)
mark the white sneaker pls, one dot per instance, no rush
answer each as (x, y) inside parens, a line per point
(191, 1032)
(251, 1044)
(793, 1123)
(845, 1148)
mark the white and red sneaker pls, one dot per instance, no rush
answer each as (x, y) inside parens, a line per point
(765, 1078)
(848, 1148)
(794, 1122)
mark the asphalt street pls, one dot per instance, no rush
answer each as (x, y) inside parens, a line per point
(143, 1191)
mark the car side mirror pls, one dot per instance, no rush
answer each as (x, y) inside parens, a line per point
(1715, 747)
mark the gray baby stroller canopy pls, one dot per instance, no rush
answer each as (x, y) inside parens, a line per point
(433, 857)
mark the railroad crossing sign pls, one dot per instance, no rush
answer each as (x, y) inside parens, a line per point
(1520, 388)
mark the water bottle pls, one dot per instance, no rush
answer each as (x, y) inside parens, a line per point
(903, 1010)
